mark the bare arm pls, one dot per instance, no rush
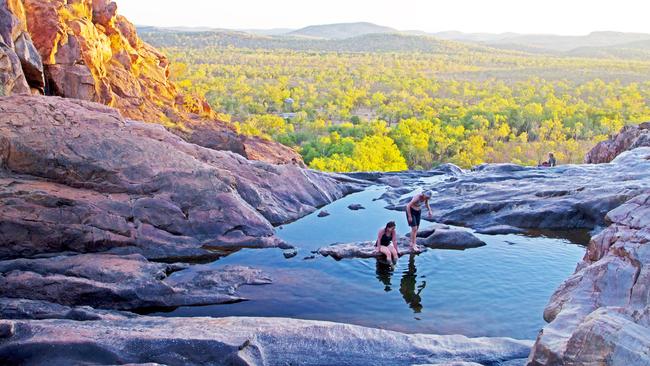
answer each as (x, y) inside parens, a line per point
(377, 243)
(395, 241)
(428, 208)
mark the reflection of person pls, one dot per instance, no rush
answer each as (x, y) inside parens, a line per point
(407, 286)
(414, 213)
(384, 272)
(387, 242)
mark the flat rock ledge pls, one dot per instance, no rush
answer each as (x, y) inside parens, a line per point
(601, 314)
(122, 282)
(438, 239)
(239, 341)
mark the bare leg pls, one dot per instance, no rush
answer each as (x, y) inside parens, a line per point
(394, 253)
(387, 253)
(414, 237)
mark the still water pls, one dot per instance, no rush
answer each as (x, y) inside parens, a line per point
(497, 290)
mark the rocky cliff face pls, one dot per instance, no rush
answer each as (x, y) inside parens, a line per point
(83, 49)
(629, 138)
(601, 314)
(76, 176)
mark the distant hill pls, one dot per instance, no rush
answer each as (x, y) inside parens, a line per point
(387, 42)
(633, 50)
(341, 30)
(555, 43)
(342, 37)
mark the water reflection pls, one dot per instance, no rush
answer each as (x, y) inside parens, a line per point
(408, 287)
(384, 273)
(410, 292)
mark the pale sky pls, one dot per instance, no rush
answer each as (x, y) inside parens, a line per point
(570, 17)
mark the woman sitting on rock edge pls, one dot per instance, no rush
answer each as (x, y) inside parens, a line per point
(385, 237)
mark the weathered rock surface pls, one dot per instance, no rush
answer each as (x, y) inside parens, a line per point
(451, 239)
(85, 50)
(76, 176)
(364, 249)
(438, 239)
(121, 282)
(429, 230)
(239, 341)
(629, 138)
(565, 197)
(323, 213)
(12, 308)
(21, 67)
(601, 314)
(500, 230)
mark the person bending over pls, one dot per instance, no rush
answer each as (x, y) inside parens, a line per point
(385, 237)
(414, 214)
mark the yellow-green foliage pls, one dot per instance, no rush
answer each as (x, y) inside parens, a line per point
(373, 153)
(466, 107)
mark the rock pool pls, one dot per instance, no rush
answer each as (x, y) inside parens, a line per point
(497, 290)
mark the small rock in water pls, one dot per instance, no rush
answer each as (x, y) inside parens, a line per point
(356, 207)
(290, 253)
(323, 213)
(309, 257)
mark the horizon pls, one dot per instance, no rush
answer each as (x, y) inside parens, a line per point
(552, 17)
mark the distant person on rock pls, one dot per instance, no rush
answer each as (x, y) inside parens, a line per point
(550, 163)
(551, 160)
(387, 242)
(414, 214)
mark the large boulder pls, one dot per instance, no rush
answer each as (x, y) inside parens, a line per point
(629, 138)
(239, 341)
(76, 176)
(121, 282)
(451, 239)
(601, 314)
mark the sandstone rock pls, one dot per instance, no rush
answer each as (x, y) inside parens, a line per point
(500, 230)
(14, 33)
(566, 197)
(439, 239)
(11, 308)
(250, 341)
(451, 239)
(12, 78)
(429, 230)
(78, 177)
(85, 50)
(392, 181)
(610, 325)
(121, 282)
(364, 249)
(630, 137)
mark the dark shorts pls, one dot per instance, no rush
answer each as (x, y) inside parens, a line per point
(416, 215)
